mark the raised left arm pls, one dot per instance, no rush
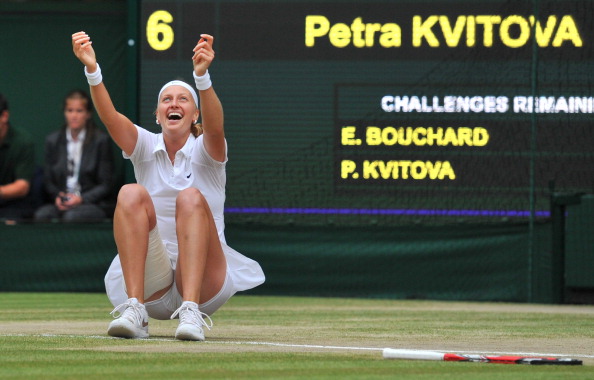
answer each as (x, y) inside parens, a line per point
(210, 105)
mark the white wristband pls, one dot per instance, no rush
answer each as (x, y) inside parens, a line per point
(203, 82)
(94, 78)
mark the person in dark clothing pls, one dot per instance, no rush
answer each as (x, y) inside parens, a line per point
(17, 166)
(79, 167)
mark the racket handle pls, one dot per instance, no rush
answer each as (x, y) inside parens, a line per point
(393, 353)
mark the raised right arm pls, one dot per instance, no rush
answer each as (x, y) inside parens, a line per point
(121, 129)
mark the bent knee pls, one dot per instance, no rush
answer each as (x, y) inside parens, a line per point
(190, 199)
(132, 195)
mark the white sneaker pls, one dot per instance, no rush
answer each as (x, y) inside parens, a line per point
(132, 321)
(190, 322)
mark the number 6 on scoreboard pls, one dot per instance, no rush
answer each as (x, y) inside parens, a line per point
(159, 34)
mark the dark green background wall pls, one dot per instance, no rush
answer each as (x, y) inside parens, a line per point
(38, 68)
(479, 263)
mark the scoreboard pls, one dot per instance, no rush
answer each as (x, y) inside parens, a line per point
(388, 112)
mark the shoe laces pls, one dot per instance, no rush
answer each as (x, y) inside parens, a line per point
(132, 311)
(190, 314)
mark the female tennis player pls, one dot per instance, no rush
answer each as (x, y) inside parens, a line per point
(173, 260)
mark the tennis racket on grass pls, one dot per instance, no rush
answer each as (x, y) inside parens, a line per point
(392, 353)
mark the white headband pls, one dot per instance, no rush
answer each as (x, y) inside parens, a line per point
(179, 83)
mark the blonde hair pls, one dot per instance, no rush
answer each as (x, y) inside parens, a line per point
(196, 129)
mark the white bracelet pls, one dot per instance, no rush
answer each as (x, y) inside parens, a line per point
(203, 82)
(94, 78)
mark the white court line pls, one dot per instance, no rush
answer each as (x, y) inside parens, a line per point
(289, 345)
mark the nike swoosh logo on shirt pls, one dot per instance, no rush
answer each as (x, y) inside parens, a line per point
(189, 175)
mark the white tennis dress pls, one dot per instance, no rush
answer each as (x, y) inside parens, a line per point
(193, 167)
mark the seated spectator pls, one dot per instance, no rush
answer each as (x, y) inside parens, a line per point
(79, 169)
(17, 165)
